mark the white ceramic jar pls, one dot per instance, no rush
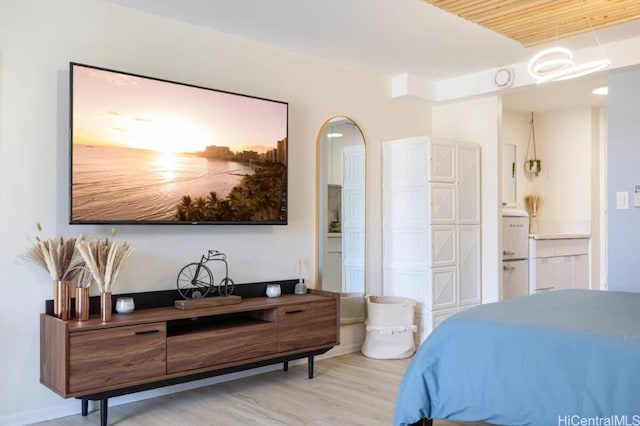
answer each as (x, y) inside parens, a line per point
(273, 290)
(125, 305)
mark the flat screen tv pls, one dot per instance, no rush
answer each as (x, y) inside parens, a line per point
(151, 151)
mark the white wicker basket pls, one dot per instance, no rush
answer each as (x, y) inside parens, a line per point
(390, 328)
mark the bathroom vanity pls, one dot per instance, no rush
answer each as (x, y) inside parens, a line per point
(559, 262)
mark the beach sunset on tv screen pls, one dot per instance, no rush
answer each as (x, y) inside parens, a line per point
(145, 150)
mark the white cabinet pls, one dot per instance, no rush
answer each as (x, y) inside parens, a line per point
(558, 263)
(580, 269)
(431, 226)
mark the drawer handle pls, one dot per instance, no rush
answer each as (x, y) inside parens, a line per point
(544, 289)
(297, 311)
(139, 333)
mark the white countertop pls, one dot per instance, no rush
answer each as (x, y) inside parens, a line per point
(557, 236)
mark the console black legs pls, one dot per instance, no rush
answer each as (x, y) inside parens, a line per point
(309, 364)
(103, 397)
(104, 408)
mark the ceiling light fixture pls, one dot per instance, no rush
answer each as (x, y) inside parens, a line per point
(551, 63)
(334, 135)
(556, 63)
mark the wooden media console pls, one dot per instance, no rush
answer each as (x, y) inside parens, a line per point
(161, 346)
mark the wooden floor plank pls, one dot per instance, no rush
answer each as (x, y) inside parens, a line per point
(349, 390)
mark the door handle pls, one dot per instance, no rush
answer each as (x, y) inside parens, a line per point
(139, 333)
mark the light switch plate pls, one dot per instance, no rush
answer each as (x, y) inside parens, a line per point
(622, 200)
(636, 195)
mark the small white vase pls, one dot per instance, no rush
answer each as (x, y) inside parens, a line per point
(125, 305)
(273, 290)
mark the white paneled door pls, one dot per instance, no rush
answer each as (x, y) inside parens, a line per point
(469, 264)
(353, 218)
(431, 226)
(442, 161)
(468, 167)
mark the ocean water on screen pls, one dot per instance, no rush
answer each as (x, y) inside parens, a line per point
(125, 184)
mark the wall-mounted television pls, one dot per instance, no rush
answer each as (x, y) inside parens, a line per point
(150, 151)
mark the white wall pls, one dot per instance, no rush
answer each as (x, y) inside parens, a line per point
(622, 174)
(564, 144)
(38, 38)
(479, 121)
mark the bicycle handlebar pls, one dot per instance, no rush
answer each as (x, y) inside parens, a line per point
(211, 255)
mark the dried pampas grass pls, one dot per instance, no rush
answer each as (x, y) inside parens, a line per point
(58, 256)
(104, 259)
(532, 202)
(85, 278)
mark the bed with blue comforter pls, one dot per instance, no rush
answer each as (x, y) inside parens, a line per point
(552, 358)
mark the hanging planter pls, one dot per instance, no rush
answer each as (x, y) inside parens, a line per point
(532, 164)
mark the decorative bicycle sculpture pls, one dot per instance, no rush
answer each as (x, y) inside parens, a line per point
(196, 281)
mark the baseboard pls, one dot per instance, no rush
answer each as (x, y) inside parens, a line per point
(64, 409)
(341, 350)
(71, 407)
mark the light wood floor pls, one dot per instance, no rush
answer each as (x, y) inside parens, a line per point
(348, 390)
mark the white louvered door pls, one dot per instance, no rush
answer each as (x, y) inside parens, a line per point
(353, 218)
(431, 226)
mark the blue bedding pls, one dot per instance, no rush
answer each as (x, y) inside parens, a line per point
(552, 358)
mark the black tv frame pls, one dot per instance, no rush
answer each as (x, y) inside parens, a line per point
(269, 167)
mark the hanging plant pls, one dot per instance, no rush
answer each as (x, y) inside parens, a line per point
(532, 165)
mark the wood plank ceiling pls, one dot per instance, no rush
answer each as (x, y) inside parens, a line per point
(533, 22)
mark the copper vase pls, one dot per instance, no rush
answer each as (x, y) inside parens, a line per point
(82, 303)
(62, 299)
(105, 307)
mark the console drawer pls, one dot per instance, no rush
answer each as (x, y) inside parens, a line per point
(220, 345)
(118, 355)
(306, 325)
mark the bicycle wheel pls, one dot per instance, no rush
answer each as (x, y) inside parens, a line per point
(194, 281)
(226, 287)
